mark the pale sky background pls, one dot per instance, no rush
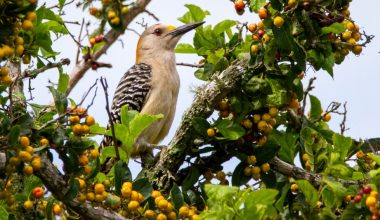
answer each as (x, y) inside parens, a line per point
(356, 80)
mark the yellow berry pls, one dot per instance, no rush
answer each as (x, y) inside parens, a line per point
(94, 153)
(220, 175)
(19, 50)
(278, 21)
(24, 141)
(77, 129)
(32, 16)
(74, 119)
(262, 141)
(294, 187)
(262, 125)
(251, 160)
(162, 204)
(115, 21)
(3, 72)
(24, 156)
(99, 188)
(370, 201)
(172, 215)
(211, 132)
(305, 157)
(127, 185)
(124, 10)
(273, 112)
(27, 25)
(195, 217)
(256, 118)
(255, 170)
(85, 129)
(161, 216)
(57, 210)
(82, 183)
(90, 120)
(126, 192)
(111, 14)
(247, 123)
(28, 170)
(155, 193)
(44, 142)
(149, 214)
(247, 171)
(183, 211)
(327, 117)
(28, 205)
(133, 205)
(90, 196)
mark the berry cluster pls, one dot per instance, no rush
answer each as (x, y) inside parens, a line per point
(253, 169)
(76, 115)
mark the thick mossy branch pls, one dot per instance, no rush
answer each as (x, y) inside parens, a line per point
(57, 185)
(172, 157)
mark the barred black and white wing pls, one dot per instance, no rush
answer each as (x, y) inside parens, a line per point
(133, 90)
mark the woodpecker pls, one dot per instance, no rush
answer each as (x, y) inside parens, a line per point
(151, 86)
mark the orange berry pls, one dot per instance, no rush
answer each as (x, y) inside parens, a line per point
(252, 27)
(94, 153)
(263, 13)
(99, 188)
(327, 117)
(155, 193)
(172, 215)
(251, 160)
(83, 160)
(273, 112)
(32, 16)
(126, 192)
(265, 167)
(77, 129)
(38, 192)
(294, 188)
(294, 103)
(74, 119)
(255, 170)
(57, 210)
(370, 201)
(162, 204)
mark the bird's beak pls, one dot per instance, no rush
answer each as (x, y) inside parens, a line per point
(184, 29)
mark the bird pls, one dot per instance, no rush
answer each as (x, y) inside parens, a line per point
(151, 85)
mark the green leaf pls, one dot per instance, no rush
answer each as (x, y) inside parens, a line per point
(191, 178)
(260, 204)
(60, 100)
(230, 130)
(200, 126)
(30, 182)
(61, 4)
(194, 14)
(310, 193)
(287, 141)
(13, 135)
(3, 212)
(121, 174)
(63, 82)
(336, 28)
(177, 197)
(342, 145)
(109, 151)
(56, 27)
(224, 26)
(338, 190)
(315, 108)
(143, 186)
(238, 176)
(218, 194)
(185, 48)
(73, 191)
(94, 170)
(49, 209)
(96, 129)
(256, 5)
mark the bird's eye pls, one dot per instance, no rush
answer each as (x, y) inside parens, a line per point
(157, 32)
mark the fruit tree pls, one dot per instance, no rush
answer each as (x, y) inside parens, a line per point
(255, 109)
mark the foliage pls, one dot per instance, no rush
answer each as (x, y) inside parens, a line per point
(262, 118)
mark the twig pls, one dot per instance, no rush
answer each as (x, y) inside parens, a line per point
(306, 93)
(73, 37)
(190, 65)
(133, 30)
(72, 22)
(93, 98)
(79, 39)
(103, 81)
(34, 73)
(151, 14)
(88, 92)
(57, 6)
(343, 123)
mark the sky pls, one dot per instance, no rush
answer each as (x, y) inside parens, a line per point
(356, 81)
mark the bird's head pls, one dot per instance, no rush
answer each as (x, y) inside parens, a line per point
(160, 38)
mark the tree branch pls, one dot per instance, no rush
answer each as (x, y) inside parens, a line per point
(55, 183)
(80, 69)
